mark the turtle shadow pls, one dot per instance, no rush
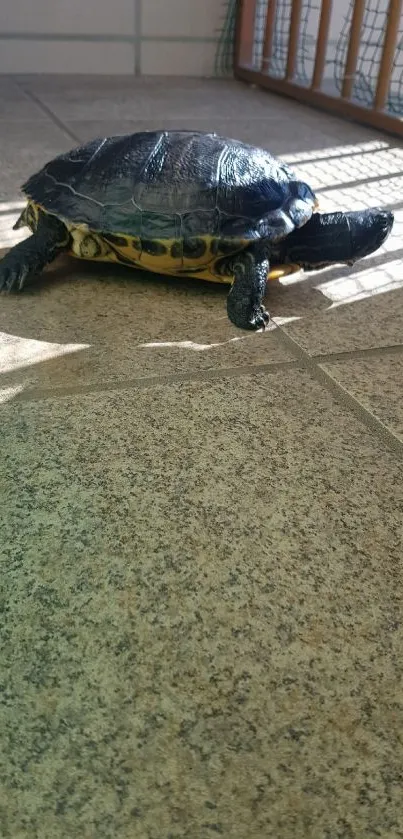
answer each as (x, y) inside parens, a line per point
(50, 304)
(81, 322)
(71, 295)
(114, 322)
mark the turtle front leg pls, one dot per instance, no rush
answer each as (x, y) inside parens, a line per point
(30, 256)
(245, 300)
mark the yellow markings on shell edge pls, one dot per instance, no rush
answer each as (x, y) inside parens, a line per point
(195, 258)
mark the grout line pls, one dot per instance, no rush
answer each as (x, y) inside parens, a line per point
(366, 352)
(35, 394)
(85, 37)
(49, 113)
(103, 39)
(343, 396)
(180, 39)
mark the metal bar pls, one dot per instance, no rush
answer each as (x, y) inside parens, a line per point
(318, 99)
(322, 43)
(388, 53)
(353, 48)
(296, 9)
(245, 32)
(268, 34)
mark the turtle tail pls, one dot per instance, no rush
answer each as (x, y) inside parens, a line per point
(331, 238)
(22, 221)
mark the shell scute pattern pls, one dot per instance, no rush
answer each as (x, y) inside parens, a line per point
(172, 199)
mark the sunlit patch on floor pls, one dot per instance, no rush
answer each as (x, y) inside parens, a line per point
(279, 321)
(9, 212)
(363, 284)
(363, 169)
(8, 393)
(189, 345)
(16, 352)
(340, 151)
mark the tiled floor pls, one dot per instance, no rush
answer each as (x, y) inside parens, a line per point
(201, 529)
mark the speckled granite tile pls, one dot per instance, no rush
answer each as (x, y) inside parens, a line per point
(201, 628)
(377, 383)
(319, 328)
(142, 98)
(15, 104)
(275, 135)
(108, 324)
(126, 97)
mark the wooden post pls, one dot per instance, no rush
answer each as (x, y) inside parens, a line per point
(296, 9)
(388, 53)
(322, 44)
(353, 48)
(268, 35)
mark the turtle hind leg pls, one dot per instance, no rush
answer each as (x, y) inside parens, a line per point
(250, 269)
(30, 256)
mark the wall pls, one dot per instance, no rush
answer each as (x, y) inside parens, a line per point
(172, 37)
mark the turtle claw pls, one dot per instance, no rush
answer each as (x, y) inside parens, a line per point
(259, 321)
(263, 318)
(12, 278)
(13, 272)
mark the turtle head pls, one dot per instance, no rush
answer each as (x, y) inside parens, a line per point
(368, 229)
(334, 238)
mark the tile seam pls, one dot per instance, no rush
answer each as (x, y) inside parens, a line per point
(343, 396)
(49, 113)
(36, 393)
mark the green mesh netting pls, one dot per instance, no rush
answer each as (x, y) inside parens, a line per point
(224, 61)
(276, 66)
(372, 36)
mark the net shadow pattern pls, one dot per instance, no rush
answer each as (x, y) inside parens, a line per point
(224, 57)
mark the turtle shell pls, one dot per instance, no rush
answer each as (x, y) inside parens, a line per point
(174, 185)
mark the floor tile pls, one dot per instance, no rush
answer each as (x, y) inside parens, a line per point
(274, 135)
(151, 98)
(200, 579)
(377, 382)
(16, 104)
(25, 146)
(188, 589)
(375, 321)
(109, 324)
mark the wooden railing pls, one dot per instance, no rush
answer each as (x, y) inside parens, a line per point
(343, 102)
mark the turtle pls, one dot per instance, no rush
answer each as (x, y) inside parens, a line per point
(186, 203)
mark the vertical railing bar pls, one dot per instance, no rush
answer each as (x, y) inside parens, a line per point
(376, 116)
(388, 53)
(353, 48)
(322, 43)
(296, 9)
(268, 34)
